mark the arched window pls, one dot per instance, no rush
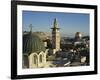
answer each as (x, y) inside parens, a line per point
(41, 58)
(35, 59)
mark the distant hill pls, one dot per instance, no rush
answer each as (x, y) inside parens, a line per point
(42, 35)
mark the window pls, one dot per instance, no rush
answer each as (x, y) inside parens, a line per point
(41, 58)
(35, 59)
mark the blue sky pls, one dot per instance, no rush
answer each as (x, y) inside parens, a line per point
(70, 23)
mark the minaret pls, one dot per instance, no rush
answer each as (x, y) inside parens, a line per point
(55, 36)
(30, 26)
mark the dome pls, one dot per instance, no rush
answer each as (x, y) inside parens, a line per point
(78, 34)
(32, 43)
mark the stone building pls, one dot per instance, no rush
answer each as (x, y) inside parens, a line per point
(34, 52)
